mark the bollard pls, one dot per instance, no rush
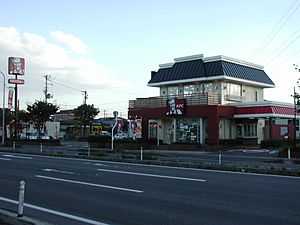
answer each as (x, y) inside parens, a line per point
(220, 157)
(141, 153)
(41, 147)
(14, 145)
(289, 153)
(21, 198)
(89, 150)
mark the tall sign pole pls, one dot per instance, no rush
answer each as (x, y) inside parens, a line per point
(16, 66)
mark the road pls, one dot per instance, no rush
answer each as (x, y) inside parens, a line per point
(69, 191)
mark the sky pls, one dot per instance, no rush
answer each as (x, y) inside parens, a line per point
(109, 48)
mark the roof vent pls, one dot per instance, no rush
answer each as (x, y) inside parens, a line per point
(166, 65)
(188, 58)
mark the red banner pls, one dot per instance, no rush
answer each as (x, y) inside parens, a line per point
(10, 98)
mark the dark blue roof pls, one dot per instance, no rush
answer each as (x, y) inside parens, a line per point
(198, 69)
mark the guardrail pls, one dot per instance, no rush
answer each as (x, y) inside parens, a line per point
(208, 98)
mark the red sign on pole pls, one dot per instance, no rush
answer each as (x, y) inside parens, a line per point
(16, 66)
(16, 81)
(10, 98)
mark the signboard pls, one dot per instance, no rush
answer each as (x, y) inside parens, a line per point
(96, 129)
(10, 98)
(136, 128)
(175, 107)
(16, 81)
(16, 66)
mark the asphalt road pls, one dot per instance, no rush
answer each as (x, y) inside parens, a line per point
(66, 191)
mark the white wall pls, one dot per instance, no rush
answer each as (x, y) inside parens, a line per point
(52, 129)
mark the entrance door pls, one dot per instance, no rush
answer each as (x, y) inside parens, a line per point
(168, 131)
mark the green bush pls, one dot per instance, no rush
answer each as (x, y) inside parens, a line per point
(231, 141)
(273, 143)
(35, 141)
(98, 139)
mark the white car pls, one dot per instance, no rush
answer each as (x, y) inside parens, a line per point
(45, 136)
(121, 136)
(28, 135)
(105, 133)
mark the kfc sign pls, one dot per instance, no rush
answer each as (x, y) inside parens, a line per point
(175, 107)
(16, 66)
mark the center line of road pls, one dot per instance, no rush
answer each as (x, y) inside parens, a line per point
(58, 171)
(89, 184)
(17, 157)
(4, 159)
(152, 175)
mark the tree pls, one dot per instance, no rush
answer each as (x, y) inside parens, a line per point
(9, 117)
(84, 114)
(24, 119)
(40, 112)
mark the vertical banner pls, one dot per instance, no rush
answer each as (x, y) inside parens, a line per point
(10, 98)
(136, 128)
(16, 66)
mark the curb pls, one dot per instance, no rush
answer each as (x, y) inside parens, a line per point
(9, 217)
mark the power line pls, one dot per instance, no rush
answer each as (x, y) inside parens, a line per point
(286, 47)
(277, 28)
(66, 86)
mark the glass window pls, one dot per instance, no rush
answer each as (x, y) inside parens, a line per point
(250, 130)
(189, 89)
(172, 91)
(234, 89)
(206, 87)
(246, 130)
(188, 130)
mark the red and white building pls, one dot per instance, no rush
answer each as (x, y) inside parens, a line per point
(209, 99)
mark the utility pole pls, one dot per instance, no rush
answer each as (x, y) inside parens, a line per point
(85, 97)
(47, 95)
(296, 109)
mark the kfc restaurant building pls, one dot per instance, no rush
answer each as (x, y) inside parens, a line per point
(204, 100)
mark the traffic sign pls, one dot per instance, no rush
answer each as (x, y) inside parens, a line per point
(16, 81)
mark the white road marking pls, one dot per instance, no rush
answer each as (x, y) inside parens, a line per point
(58, 171)
(90, 184)
(69, 216)
(17, 157)
(4, 159)
(100, 164)
(152, 175)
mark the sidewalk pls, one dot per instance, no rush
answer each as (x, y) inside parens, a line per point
(10, 218)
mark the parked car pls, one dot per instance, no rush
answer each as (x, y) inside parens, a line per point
(121, 136)
(105, 133)
(45, 136)
(28, 135)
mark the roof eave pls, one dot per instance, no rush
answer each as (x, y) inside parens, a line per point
(203, 79)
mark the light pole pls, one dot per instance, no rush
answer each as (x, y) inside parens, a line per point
(296, 108)
(3, 109)
(112, 130)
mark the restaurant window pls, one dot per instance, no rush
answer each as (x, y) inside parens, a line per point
(188, 130)
(234, 89)
(246, 130)
(172, 91)
(189, 89)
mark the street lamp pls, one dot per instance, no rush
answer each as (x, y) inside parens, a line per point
(3, 109)
(112, 130)
(296, 107)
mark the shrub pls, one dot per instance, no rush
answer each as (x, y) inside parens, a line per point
(273, 143)
(231, 141)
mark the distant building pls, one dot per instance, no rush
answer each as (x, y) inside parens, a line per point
(69, 127)
(210, 99)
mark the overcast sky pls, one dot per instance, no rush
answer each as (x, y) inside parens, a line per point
(108, 48)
